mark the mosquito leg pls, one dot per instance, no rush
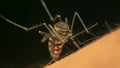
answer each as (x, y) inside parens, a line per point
(73, 20)
(34, 27)
(83, 24)
(108, 26)
(67, 48)
(48, 12)
(42, 33)
(46, 9)
(78, 41)
(90, 39)
(66, 20)
(56, 18)
(20, 26)
(75, 43)
(84, 30)
(48, 29)
(51, 61)
(92, 34)
(11, 22)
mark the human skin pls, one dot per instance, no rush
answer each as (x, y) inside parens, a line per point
(102, 53)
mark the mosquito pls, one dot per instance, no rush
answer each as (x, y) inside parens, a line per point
(59, 32)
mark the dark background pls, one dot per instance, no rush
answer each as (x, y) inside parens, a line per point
(21, 49)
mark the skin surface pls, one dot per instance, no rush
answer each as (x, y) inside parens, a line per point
(103, 53)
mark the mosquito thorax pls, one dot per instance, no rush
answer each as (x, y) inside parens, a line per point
(63, 29)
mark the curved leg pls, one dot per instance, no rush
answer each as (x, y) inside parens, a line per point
(20, 26)
(83, 24)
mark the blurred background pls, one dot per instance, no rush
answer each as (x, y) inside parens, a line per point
(21, 49)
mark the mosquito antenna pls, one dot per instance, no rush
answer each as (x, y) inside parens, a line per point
(46, 9)
(73, 20)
